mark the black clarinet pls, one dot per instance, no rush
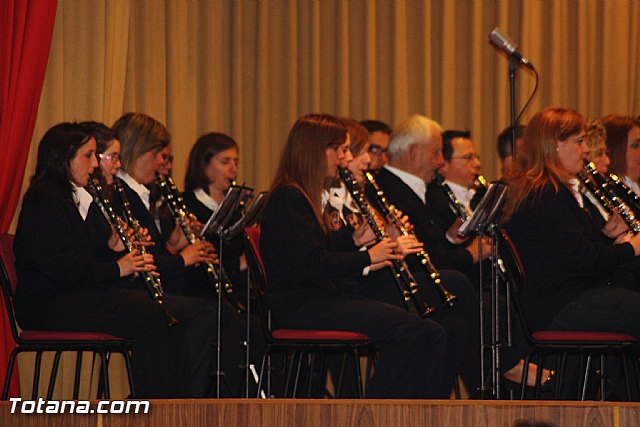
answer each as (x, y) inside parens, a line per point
(402, 276)
(151, 282)
(456, 206)
(215, 274)
(627, 194)
(605, 191)
(391, 215)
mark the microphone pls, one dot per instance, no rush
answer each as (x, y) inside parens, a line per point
(502, 42)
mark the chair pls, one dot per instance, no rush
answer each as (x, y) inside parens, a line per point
(56, 341)
(559, 344)
(299, 344)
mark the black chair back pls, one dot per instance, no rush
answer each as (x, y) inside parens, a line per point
(515, 276)
(258, 277)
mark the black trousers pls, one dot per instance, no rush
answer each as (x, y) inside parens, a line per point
(460, 321)
(167, 361)
(411, 350)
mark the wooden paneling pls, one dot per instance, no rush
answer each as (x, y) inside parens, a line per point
(321, 413)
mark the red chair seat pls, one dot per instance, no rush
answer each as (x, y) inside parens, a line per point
(581, 336)
(67, 336)
(303, 334)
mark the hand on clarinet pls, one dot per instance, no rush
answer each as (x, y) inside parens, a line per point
(383, 251)
(177, 240)
(364, 235)
(452, 233)
(131, 263)
(408, 245)
(615, 227)
(199, 252)
(143, 238)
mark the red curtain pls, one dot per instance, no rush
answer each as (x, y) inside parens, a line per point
(26, 27)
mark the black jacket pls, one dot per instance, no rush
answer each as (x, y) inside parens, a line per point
(298, 255)
(564, 254)
(444, 254)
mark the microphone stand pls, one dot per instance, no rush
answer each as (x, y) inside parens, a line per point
(219, 372)
(514, 63)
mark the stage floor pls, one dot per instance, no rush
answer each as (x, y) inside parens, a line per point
(321, 413)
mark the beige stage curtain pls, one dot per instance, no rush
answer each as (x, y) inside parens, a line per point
(249, 68)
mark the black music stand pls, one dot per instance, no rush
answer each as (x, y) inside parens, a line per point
(483, 223)
(238, 201)
(215, 225)
(221, 217)
(250, 216)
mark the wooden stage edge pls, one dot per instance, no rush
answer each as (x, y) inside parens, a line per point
(323, 412)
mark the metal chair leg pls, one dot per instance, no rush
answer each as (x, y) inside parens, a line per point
(76, 378)
(36, 375)
(104, 374)
(54, 374)
(603, 377)
(298, 369)
(585, 378)
(127, 362)
(358, 375)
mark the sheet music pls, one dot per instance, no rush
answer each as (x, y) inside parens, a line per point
(224, 212)
(486, 211)
(249, 218)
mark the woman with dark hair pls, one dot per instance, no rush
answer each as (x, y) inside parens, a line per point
(62, 285)
(312, 285)
(568, 261)
(623, 142)
(213, 166)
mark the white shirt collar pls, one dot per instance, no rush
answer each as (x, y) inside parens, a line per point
(82, 199)
(414, 182)
(206, 199)
(140, 189)
(575, 189)
(595, 202)
(462, 193)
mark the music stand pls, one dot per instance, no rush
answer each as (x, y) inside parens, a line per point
(250, 216)
(482, 223)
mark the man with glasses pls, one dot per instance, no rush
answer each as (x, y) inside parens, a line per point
(460, 171)
(379, 133)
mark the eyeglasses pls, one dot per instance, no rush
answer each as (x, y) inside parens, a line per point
(468, 157)
(377, 150)
(167, 158)
(114, 157)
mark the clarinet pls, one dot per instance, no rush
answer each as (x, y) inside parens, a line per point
(605, 192)
(456, 206)
(391, 214)
(151, 282)
(402, 276)
(184, 216)
(627, 194)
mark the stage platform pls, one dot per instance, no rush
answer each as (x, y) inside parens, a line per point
(362, 413)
